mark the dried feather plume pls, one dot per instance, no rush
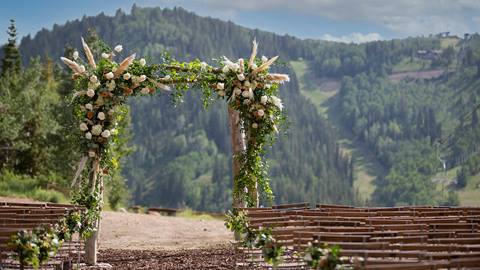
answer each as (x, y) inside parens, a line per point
(89, 54)
(124, 65)
(265, 65)
(254, 53)
(72, 65)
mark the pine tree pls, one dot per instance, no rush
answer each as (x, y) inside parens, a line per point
(11, 59)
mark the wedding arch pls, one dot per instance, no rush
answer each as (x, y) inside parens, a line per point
(101, 86)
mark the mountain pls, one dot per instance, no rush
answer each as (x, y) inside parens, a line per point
(382, 123)
(182, 153)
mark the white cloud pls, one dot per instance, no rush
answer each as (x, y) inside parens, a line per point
(353, 38)
(403, 17)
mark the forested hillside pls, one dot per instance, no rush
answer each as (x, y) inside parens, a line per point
(409, 104)
(181, 153)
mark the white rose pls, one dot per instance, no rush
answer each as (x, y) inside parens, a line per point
(88, 136)
(235, 67)
(254, 125)
(97, 130)
(75, 55)
(246, 101)
(241, 77)
(246, 83)
(127, 76)
(168, 77)
(106, 133)
(118, 48)
(93, 79)
(89, 106)
(260, 113)
(277, 102)
(90, 93)
(225, 69)
(82, 68)
(105, 55)
(83, 127)
(221, 93)
(145, 90)
(203, 65)
(245, 94)
(254, 66)
(91, 154)
(264, 100)
(264, 59)
(250, 93)
(220, 86)
(237, 91)
(143, 62)
(109, 75)
(110, 112)
(101, 116)
(142, 78)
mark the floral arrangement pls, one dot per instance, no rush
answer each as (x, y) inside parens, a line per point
(248, 87)
(252, 91)
(37, 246)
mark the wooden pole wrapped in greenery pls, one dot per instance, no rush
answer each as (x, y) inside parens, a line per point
(103, 86)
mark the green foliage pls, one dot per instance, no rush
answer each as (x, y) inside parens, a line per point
(322, 257)
(11, 62)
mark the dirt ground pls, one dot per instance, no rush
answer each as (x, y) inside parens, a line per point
(155, 232)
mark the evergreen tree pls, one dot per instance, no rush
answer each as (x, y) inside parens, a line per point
(11, 59)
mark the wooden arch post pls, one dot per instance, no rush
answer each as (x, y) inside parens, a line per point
(91, 244)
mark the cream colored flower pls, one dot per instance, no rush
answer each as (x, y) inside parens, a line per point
(264, 100)
(101, 116)
(145, 90)
(111, 85)
(220, 86)
(89, 106)
(237, 91)
(143, 62)
(246, 101)
(90, 93)
(225, 69)
(109, 75)
(106, 133)
(246, 83)
(264, 59)
(83, 127)
(81, 68)
(277, 102)
(110, 112)
(203, 65)
(88, 136)
(255, 125)
(142, 78)
(97, 130)
(118, 48)
(105, 55)
(93, 79)
(75, 55)
(241, 77)
(127, 76)
(260, 113)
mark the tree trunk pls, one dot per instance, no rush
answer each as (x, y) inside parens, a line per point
(91, 244)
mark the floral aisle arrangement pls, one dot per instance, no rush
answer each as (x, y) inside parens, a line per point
(37, 246)
(316, 256)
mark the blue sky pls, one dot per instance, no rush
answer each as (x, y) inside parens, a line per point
(340, 20)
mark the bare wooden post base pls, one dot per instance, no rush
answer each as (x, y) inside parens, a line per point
(91, 244)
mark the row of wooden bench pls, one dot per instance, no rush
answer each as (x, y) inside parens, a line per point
(405, 237)
(15, 217)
